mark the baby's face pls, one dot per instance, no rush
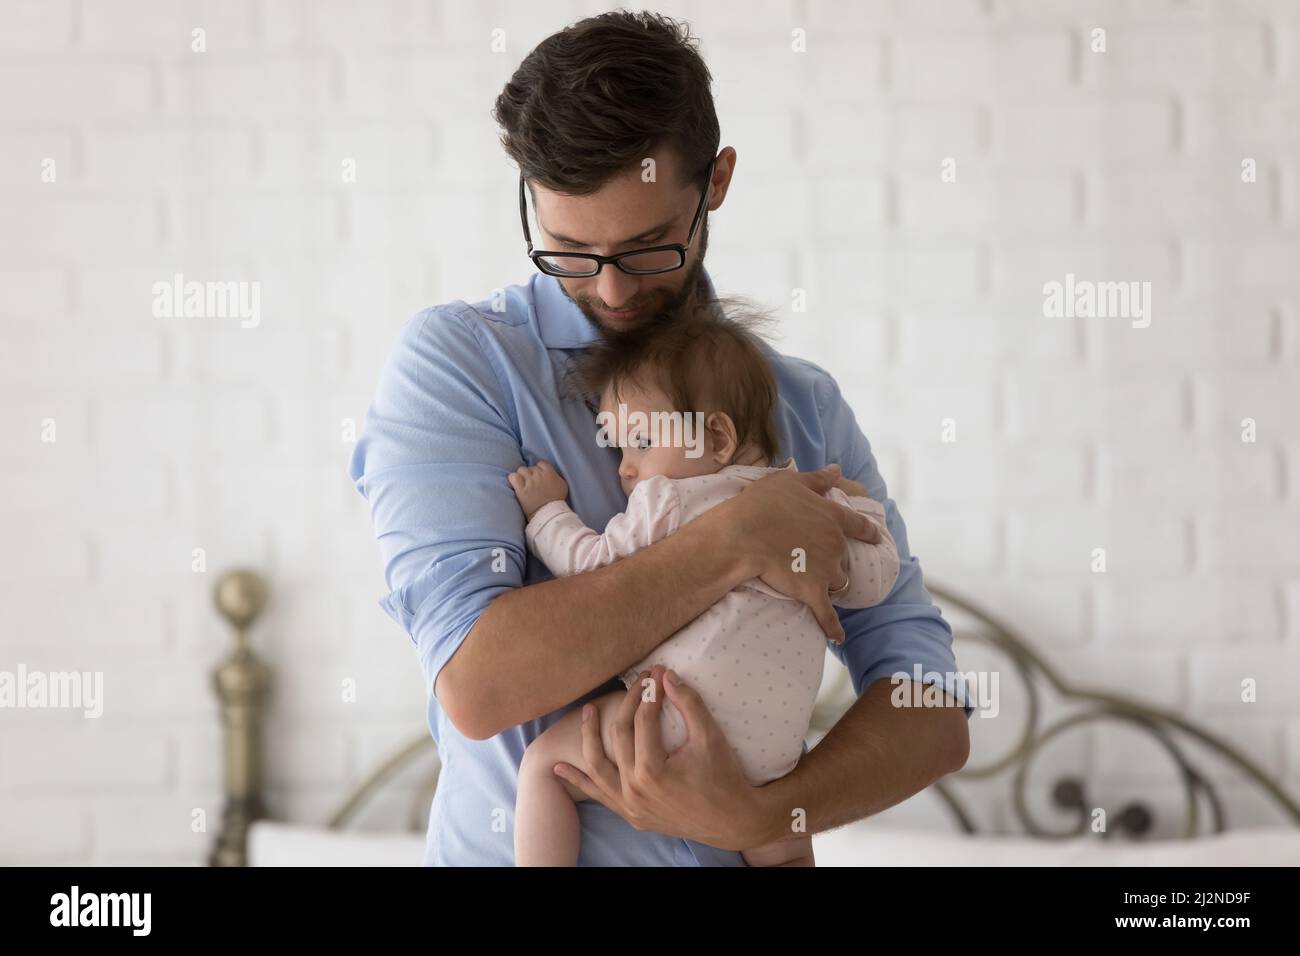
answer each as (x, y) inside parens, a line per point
(680, 452)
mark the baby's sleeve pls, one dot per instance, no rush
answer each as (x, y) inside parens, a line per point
(565, 545)
(873, 568)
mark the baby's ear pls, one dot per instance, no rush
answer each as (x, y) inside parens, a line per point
(722, 436)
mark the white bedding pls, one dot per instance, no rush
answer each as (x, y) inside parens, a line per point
(283, 844)
(864, 844)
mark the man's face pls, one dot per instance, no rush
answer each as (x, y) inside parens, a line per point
(625, 214)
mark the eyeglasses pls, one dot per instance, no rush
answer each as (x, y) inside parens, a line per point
(639, 262)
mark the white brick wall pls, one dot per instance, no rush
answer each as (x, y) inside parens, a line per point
(924, 299)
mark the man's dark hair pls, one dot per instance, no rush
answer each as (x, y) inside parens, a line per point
(603, 94)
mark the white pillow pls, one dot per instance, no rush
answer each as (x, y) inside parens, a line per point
(285, 844)
(861, 844)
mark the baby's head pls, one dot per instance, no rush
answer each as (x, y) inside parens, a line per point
(686, 395)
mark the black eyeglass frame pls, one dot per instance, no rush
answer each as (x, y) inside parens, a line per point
(601, 261)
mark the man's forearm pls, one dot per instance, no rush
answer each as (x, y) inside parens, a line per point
(877, 755)
(540, 647)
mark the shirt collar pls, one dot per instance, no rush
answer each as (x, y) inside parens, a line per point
(560, 322)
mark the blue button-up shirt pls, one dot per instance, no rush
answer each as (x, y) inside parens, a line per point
(469, 394)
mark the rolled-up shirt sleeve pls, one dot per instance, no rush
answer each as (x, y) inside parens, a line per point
(905, 634)
(438, 442)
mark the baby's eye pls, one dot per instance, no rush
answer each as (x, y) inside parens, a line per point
(642, 442)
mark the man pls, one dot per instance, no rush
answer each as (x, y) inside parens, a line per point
(613, 126)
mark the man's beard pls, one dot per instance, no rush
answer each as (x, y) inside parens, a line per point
(660, 303)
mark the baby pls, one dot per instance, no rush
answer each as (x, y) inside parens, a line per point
(755, 657)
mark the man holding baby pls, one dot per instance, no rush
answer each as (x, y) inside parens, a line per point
(472, 393)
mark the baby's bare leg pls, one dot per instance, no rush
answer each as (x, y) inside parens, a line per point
(546, 817)
(782, 853)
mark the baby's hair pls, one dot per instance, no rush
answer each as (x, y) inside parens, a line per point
(706, 356)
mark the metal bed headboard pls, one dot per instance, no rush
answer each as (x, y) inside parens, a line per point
(242, 683)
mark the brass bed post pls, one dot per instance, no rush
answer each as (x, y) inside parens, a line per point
(241, 683)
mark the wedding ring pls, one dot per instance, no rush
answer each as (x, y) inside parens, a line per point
(843, 587)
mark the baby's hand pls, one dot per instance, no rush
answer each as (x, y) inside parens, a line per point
(536, 485)
(854, 489)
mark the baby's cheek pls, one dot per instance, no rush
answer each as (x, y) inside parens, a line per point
(669, 462)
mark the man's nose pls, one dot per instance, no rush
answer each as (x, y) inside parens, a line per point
(615, 287)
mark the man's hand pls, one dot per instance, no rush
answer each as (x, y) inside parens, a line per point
(537, 485)
(776, 515)
(698, 792)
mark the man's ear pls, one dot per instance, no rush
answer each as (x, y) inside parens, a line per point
(724, 168)
(722, 436)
